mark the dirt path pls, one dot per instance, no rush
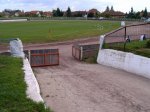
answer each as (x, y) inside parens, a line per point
(79, 87)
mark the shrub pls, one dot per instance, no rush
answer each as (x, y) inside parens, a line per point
(148, 44)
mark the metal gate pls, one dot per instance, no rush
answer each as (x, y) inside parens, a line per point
(45, 57)
(81, 52)
(76, 52)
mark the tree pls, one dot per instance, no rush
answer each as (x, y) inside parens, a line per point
(131, 14)
(132, 10)
(90, 14)
(68, 12)
(58, 13)
(141, 13)
(97, 14)
(107, 15)
(54, 13)
(145, 14)
(41, 13)
(78, 14)
(61, 13)
(112, 9)
(107, 9)
(1, 15)
(137, 15)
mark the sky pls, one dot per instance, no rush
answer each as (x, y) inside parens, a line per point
(49, 5)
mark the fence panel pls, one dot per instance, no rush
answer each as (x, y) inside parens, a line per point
(133, 32)
(46, 57)
(90, 50)
(127, 34)
(81, 52)
(76, 52)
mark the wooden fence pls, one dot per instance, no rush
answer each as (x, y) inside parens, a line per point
(81, 52)
(46, 57)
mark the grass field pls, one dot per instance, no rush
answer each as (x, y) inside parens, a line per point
(12, 88)
(50, 31)
(137, 47)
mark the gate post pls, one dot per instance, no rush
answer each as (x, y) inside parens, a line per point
(81, 53)
(125, 36)
(29, 56)
(102, 41)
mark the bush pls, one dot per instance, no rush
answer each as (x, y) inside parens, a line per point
(143, 52)
(148, 44)
(91, 60)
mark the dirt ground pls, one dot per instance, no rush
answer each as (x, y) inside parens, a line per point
(75, 86)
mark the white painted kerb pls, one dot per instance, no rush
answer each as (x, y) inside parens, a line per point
(126, 61)
(33, 90)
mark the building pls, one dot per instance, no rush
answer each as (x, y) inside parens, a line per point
(117, 14)
(33, 14)
(47, 14)
(94, 11)
(19, 14)
(79, 13)
(113, 14)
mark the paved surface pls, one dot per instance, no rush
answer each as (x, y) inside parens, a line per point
(79, 87)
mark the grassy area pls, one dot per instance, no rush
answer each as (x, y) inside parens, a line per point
(137, 47)
(91, 60)
(49, 31)
(12, 88)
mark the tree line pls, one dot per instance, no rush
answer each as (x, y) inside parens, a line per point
(137, 15)
(108, 13)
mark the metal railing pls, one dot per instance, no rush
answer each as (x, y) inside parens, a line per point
(128, 33)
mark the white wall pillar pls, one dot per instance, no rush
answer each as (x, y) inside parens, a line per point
(102, 41)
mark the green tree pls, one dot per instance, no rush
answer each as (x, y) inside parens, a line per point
(90, 14)
(112, 9)
(58, 13)
(137, 15)
(68, 12)
(54, 13)
(145, 14)
(1, 15)
(61, 13)
(132, 11)
(131, 14)
(107, 9)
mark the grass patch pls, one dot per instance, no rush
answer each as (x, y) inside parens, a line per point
(13, 88)
(137, 47)
(50, 31)
(91, 60)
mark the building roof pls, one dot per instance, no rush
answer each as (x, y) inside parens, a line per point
(93, 11)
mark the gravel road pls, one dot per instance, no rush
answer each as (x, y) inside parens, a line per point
(75, 86)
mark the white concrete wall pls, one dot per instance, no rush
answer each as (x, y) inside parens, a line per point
(33, 90)
(126, 61)
(13, 20)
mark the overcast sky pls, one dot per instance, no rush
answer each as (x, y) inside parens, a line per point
(121, 5)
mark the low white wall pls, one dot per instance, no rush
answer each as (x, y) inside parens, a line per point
(13, 20)
(33, 90)
(126, 61)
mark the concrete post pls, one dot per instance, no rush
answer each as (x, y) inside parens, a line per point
(102, 41)
(81, 53)
(16, 48)
(29, 53)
